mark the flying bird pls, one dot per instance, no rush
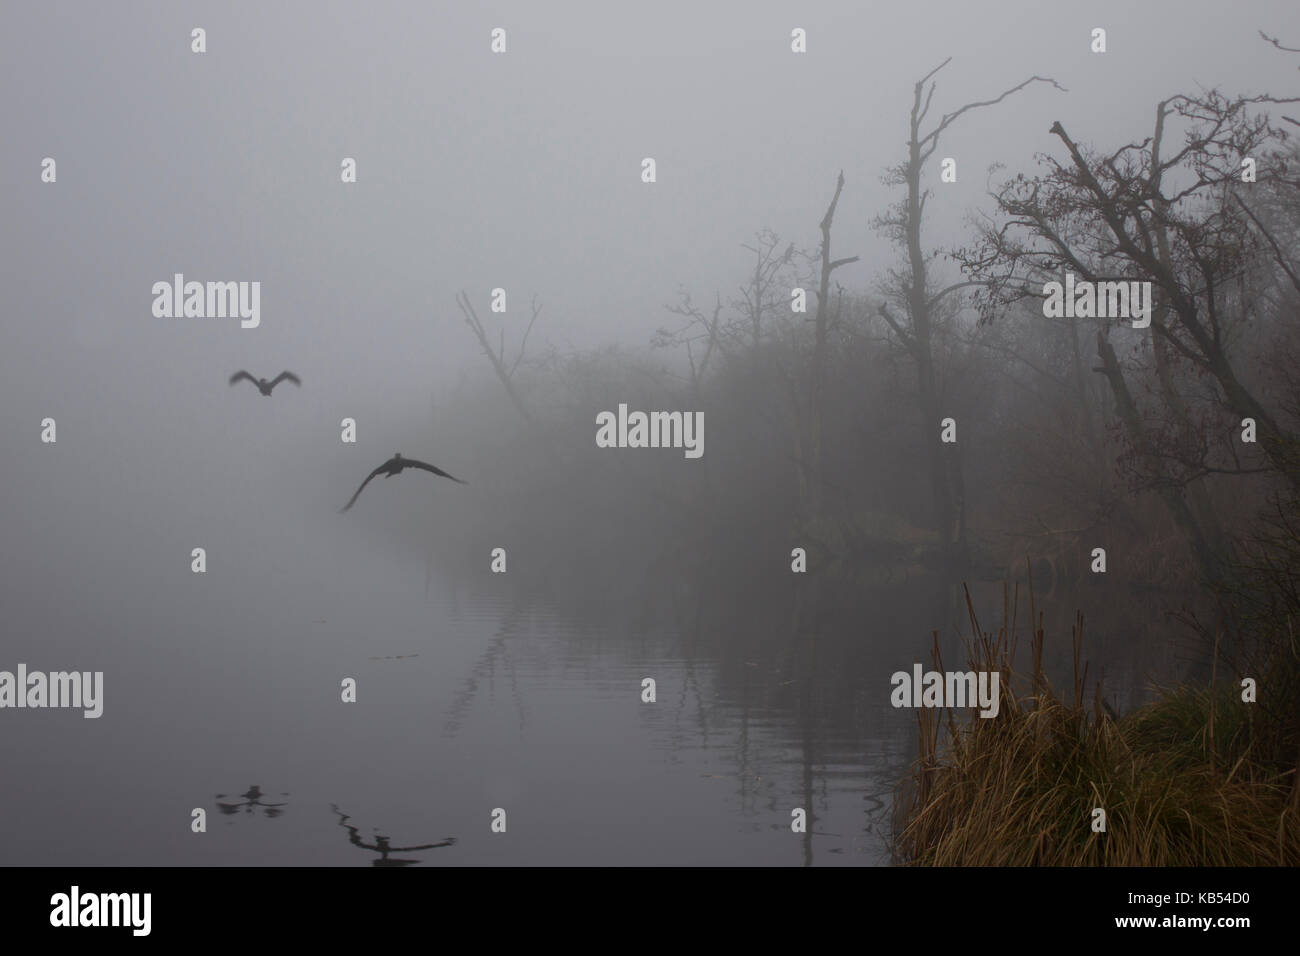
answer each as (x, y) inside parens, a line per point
(262, 384)
(394, 466)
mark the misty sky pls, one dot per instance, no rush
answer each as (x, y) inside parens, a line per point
(518, 170)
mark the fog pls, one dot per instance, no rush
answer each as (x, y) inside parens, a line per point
(522, 171)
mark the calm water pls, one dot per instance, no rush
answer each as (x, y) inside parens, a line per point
(469, 698)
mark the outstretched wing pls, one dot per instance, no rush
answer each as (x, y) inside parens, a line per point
(412, 463)
(285, 375)
(242, 374)
(424, 846)
(362, 488)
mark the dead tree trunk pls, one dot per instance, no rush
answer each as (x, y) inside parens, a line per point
(1207, 552)
(943, 462)
(820, 360)
(497, 356)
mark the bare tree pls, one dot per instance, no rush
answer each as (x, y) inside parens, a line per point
(812, 457)
(1167, 215)
(698, 328)
(1136, 213)
(758, 296)
(910, 288)
(504, 369)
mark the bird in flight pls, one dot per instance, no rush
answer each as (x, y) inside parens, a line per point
(394, 466)
(262, 384)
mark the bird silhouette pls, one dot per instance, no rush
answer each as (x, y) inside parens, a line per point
(262, 384)
(394, 466)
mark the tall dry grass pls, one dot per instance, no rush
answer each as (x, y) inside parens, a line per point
(1197, 778)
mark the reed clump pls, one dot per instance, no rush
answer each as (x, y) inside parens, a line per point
(1196, 778)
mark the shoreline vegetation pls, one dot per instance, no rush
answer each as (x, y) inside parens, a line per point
(1197, 777)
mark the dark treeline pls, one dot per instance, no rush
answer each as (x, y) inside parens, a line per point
(1172, 447)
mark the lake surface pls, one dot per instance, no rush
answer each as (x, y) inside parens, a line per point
(223, 692)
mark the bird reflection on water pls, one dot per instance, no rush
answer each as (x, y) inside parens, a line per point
(381, 844)
(252, 798)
